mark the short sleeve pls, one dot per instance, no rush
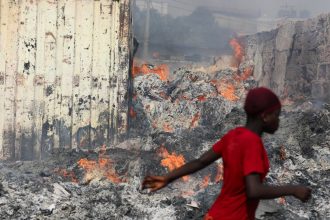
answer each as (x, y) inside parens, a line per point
(218, 146)
(253, 161)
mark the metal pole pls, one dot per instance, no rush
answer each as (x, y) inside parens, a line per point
(146, 32)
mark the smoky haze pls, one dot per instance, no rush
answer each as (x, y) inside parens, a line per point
(197, 30)
(268, 7)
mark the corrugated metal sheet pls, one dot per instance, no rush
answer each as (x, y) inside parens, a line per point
(64, 71)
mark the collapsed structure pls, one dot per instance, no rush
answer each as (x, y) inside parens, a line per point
(175, 117)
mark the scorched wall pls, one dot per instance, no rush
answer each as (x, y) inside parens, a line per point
(293, 59)
(64, 71)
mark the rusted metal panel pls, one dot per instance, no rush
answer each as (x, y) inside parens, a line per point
(64, 70)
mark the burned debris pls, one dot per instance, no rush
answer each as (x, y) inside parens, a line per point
(174, 117)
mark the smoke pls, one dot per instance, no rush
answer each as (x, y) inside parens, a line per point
(197, 31)
(189, 36)
(269, 7)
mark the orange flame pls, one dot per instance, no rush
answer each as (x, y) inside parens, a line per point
(219, 176)
(68, 174)
(227, 90)
(162, 70)
(171, 161)
(103, 167)
(247, 72)
(238, 51)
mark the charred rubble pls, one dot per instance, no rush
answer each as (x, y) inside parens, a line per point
(175, 120)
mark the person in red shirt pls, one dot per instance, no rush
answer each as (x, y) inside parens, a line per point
(245, 163)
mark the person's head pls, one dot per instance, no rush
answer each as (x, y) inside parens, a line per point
(261, 104)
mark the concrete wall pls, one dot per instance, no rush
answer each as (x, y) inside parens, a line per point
(294, 59)
(64, 71)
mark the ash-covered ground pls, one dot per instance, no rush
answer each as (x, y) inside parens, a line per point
(173, 121)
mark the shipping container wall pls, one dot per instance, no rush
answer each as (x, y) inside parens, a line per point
(64, 71)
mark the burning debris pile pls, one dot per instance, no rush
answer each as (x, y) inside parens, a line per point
(174, 121)
(189, 114)
(175, 118)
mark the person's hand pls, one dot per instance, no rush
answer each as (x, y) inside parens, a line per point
(154, 183)
(303, 193)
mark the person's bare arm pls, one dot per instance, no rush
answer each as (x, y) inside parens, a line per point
(157, 182)
(256, 190)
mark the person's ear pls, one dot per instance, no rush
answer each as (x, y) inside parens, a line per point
(265, 117)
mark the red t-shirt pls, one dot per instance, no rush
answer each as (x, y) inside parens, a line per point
(243, 153)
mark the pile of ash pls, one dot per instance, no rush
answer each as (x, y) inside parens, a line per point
(173, 122)
(63, 189)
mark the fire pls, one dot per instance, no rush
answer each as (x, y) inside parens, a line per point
(227, 90)
(171, 161)
(162, 70)
(247, 72)
(219, 176)
(205, 181)
(238, 51)
(232, 88)
(103, 167)
(67, 174)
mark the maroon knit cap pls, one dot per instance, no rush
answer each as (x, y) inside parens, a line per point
(261, 100)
